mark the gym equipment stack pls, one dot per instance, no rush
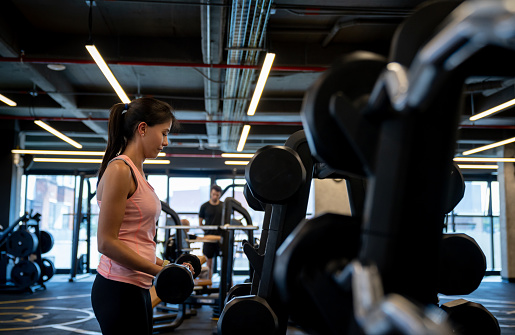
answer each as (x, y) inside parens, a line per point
(380, 270)
(22, 267)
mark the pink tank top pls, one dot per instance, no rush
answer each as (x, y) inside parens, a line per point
(138, 229)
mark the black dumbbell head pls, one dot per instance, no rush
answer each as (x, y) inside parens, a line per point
(174, 284)
(274, 174)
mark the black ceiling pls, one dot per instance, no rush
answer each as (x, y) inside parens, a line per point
(201, 59)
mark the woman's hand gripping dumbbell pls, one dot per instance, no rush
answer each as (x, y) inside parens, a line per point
(174, 283)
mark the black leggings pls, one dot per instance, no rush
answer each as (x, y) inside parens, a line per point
(121, 308)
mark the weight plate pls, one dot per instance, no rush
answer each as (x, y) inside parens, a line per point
(316, 248)
(456, 189)
(274, 174)
(238, 290)
(46, 241)
(467, 317)
(193, 260)
(174, 284)
(354, 77)
(461, 265)
(48, 270)
(22, 243)
(25, 273)
(249, 315)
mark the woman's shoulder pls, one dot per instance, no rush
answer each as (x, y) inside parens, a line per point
(119, 163)
(118, 168)
(117, 175)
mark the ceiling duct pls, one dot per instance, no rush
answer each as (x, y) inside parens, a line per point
(247, 26)
(213, 24)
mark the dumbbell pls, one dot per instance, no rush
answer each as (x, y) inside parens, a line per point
(174, 283)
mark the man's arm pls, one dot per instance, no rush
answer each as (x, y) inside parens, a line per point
(201, 214)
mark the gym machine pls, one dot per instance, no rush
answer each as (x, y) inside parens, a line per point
(227, 229)
(204, 295)
(363, 117)
(177, 244)
(22, 244)
(278, 181)
(81, 264)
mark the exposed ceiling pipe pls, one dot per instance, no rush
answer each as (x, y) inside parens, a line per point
(213, 27)
(247, 28)
(164, 64)
(81, 119)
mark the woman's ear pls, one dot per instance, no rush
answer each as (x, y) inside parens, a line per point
(142, 128)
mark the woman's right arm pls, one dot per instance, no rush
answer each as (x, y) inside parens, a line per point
(117, 184)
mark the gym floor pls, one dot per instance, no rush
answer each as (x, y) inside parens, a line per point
(65, 308)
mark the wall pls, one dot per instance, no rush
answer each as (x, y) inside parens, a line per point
(331, 196)
(506, 178)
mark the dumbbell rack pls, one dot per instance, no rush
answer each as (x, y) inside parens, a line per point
(25, 274)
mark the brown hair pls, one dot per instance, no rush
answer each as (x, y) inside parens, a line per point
(125, 118)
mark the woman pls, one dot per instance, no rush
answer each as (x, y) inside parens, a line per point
(129, 210)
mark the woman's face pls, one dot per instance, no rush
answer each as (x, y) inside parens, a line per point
(156, 138)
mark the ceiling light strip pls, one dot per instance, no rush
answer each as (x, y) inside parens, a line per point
(492, 110)
(91, 160)
(62, 152)
(6, 100)
(236, 162)
(243, 138)
(107, 73)
(57, 152)
(485, 159)
(236, 155)
(58, 134)
(477, 166)
(263, 76)
(489, 146)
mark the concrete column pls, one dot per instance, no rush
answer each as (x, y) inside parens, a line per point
(331, 196)
(8, 173)
(506, 178)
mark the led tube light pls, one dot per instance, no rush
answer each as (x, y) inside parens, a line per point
(236, 162)
(62, 152)
(243, 138)
(472, 166)
(263, 76)
(492, 110)
(235, 155)
(8, 101)
(485, 159)
(92, 160)
(489, 146)
(107, 73)
(58, 134)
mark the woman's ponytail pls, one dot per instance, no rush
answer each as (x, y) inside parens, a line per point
(116, 141)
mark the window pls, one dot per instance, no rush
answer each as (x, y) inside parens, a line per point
(477, 215)
(186, 195)
(476, 199)
(54, 198)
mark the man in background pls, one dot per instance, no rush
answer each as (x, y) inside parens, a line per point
(211, 214)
